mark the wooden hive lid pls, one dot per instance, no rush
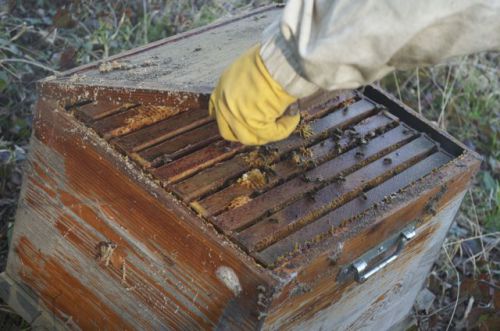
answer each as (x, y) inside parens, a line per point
(356, 157)
(190, 61)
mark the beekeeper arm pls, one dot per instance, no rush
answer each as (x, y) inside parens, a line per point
(342, 44)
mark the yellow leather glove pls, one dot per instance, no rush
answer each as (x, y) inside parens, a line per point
(249, 105)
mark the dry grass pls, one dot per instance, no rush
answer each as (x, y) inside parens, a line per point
(463, 97)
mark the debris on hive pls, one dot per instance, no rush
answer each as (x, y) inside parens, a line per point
(198, 208)
(239, 201)
(114, 65)
(146, 115)
(253, 179)
(124, 272)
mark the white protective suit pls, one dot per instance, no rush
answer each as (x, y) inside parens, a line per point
(344, 44)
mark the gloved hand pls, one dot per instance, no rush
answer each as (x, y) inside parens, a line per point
(249, 105)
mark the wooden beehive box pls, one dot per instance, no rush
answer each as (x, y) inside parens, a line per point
(135, 214)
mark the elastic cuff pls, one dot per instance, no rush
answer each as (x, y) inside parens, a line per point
(281, 64)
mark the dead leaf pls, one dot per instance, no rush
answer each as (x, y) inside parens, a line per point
(63, 19)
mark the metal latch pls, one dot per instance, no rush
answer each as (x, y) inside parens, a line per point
(360, 266)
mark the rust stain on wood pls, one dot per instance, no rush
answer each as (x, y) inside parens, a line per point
(98, 206)
(57, 288)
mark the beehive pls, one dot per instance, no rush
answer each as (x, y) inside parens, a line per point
(135, 214)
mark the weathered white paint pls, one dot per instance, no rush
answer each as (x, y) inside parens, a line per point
(227, 276)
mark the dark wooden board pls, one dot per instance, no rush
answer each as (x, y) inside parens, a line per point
(258, 235)
(131, 120)
(89, 112)
(334, 194)
(272, 250)
(213, 178)
(179, 145)
(283, 170)
(197, 161)
(223, 150)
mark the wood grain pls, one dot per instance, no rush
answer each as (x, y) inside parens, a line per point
(162, 130)
(178, 146)
(92, 111)
(130, 120)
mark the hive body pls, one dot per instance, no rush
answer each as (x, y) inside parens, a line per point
(135, 214)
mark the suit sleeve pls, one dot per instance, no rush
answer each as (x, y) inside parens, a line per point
(344, 44)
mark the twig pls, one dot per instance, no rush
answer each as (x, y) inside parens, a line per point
(18, 35)
(481, 253)
(118, 26)
(469, 308)
(397, 85)
(33, 63)
(485, 253)
(437, 311)
(418, 92)
(10, 71)
(145, 20)
(458, 289)
(447, 96)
